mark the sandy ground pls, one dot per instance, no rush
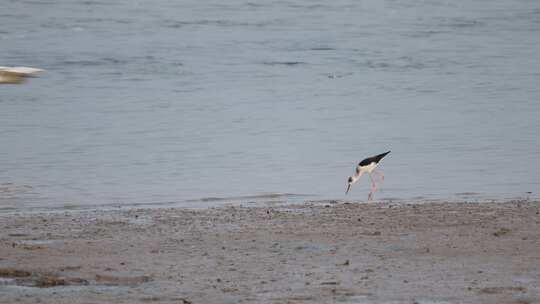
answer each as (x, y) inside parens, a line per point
(330, 252)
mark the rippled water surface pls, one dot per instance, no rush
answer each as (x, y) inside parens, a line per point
(175, 101)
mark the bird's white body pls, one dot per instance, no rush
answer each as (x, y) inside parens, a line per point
(369, 168)
(361, 170)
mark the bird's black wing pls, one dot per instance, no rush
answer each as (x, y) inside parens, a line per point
(373, 159)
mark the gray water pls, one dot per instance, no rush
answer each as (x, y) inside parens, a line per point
(151, 102)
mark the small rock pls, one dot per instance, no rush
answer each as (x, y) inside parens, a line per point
(501, 232)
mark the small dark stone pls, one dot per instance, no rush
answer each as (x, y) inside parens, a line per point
(501, 232)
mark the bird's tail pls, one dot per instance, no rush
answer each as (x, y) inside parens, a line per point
(380, 156)
(383, 154)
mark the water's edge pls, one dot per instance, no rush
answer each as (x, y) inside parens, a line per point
(278, 200)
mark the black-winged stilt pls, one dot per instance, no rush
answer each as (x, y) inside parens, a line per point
(368, 166)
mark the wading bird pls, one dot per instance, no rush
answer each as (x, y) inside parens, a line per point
(368, 166)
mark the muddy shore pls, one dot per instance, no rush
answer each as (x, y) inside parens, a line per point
(330, 252)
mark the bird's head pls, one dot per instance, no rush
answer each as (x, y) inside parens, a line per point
(350, 181)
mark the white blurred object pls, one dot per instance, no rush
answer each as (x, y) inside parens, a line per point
(16, 74)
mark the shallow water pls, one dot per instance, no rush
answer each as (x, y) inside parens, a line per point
(175, 101)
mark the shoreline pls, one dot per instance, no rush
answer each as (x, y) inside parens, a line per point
(269, 200)
(313, 252)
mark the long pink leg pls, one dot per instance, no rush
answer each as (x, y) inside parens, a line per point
(373, 188)
(380, 174)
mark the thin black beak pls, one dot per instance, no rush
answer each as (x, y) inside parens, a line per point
(348, 187)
